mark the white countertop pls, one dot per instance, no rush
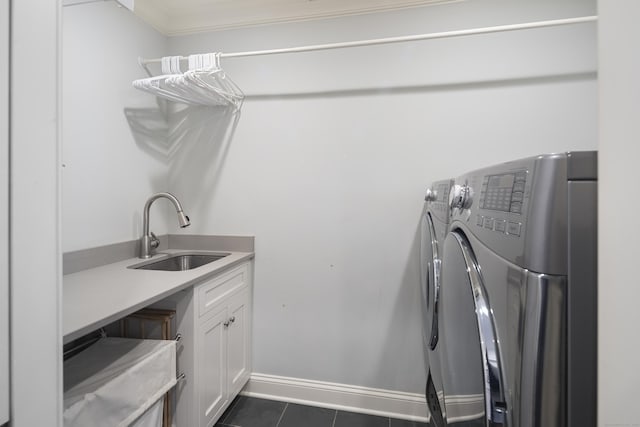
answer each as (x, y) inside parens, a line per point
(98, 296)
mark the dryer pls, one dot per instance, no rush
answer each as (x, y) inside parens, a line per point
(517, 303)
(434, 227)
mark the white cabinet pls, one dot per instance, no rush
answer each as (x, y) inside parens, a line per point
(238, 343)
(214, 319)
(223, 356)
(211, 356)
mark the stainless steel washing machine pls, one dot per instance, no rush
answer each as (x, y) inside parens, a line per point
(517, 302)
(434, 225)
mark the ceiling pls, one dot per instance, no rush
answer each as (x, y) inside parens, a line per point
(177, 17)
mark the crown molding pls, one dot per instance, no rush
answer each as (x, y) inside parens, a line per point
(182, 17)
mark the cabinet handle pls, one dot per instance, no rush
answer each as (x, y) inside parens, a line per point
(229, 321)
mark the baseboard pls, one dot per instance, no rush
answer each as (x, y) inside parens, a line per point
(387, 403)
(465, 407)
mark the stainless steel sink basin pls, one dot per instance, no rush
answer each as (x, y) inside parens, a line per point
(180, 262)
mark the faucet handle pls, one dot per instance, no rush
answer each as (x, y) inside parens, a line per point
(155, 242)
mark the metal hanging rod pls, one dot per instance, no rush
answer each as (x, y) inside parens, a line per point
(401, 39)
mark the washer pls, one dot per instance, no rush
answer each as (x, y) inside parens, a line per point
(435, 224)
(517, 304)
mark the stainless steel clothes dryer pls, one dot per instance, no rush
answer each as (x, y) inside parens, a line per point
(435, 223)
(517, 305)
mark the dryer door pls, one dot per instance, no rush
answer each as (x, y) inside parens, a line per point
(470, 362)
(429, 281)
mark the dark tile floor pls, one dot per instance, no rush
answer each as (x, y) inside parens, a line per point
(252, 412)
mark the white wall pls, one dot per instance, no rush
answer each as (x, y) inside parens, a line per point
(107, 174)
(333, 153)
(618, 314)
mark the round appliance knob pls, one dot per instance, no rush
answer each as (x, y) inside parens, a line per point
(431, 196)
(461, 197)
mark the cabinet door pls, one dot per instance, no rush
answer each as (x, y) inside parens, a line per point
(238, 342)
(211, 390)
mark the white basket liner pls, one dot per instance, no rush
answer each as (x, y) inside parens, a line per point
(116, 380)
(152, 417)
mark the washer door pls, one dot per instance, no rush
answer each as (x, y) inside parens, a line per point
(470, 362)
(429, 281)
(430, 286)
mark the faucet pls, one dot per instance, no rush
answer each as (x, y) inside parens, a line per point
(149, 241)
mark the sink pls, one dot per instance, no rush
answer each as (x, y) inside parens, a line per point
(180, 262)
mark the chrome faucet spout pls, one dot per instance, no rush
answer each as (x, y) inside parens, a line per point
(148, 241)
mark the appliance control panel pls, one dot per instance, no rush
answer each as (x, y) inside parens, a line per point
(519, 209)
(511, 228)
(493, 202)
(503, 192)
(501, 202)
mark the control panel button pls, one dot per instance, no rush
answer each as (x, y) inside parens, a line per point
(518, 186)
(517, 196)
(516, 207)
(479, 220)
(488, 223)
(501, 225)
(513, 228)
(521, 176)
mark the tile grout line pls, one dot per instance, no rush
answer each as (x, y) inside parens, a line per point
(282, 414)
(333, 424)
